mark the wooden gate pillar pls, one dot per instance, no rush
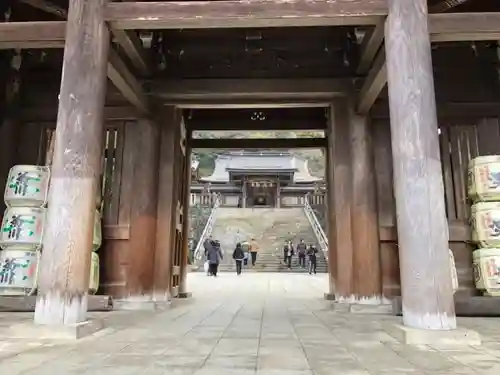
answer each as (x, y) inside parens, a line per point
(167, 203)
(339, 182)
(364, 215)
(143, 215)
(67, 244)
(418, 182)
(184, 198)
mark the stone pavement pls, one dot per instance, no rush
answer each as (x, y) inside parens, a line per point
(265, 324)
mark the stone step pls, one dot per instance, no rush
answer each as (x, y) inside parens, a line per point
(270, 227)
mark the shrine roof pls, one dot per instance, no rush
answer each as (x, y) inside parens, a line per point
(253, 162)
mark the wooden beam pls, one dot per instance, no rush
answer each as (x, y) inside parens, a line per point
(231, 14)
(463, 27)
(244, 125)
(264, 143)
(48, 114)
(445, 5)
(126, 83)
(245, 89)
(52, 34)
(128, 40)
(369, 48)
(229, 103)
(374, 83)
(464, 110)
(132, 46)
(452, 27)
(48, 7)
(32, 34)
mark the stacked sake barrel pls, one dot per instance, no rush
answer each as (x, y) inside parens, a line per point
(484, 191)
(21, 235)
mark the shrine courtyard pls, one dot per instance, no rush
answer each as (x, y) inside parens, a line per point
(266, 324)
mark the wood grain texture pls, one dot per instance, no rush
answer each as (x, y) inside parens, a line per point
(364, 215)
(227, 14)
(165, 233)
(418, 181)
(67, 243)
(185, 215)
(142, 242)
(339, 201)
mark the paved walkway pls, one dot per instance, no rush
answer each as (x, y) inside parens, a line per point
(265, 324)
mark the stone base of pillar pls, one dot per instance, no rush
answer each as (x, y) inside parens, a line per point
(63, 332)
(136, 304)
(162, 297)
(185, 295)
(453, 338)
(330, 297)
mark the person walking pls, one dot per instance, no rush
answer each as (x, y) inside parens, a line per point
(238, 256)
(245, 245)
(214, 256)
(254, 250)
(206, 246)
(311, 254)
(301, 250)
(288, 253)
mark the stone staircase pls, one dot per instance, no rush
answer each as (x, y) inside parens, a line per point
(270, 227)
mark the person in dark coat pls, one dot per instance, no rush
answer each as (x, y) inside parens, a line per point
(238, 256)
(206, 246)
(288, 253)
(301, 250)
(311, 253)
(214, 256)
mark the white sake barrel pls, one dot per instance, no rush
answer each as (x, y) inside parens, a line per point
(18, 272)
(22, 228)
(27, 186)
(486, 263)
(97, 240)
(94, 274)
(485, 224)
(484, 178)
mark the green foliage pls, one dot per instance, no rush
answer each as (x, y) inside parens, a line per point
(207, 158)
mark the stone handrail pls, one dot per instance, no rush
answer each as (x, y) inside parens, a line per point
(198, 252)
(316, 227)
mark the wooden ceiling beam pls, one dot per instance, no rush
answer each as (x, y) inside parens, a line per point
(49, 114)
(51, 34)
(237, 14)
(248, 89)
(48, 7)
(446, 27)
(452, 26)
(369, 47)
(132, 47)
(245, 124)
(32, 34)
(229, 103)
(126, 82)
(128, 40)
(445, 5)
(373, 85)
(262, 143)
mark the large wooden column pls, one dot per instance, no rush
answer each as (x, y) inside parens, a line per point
(167, 202)
(67, 244)
(418, 182)
(143, 215)
(184, 194)
(364, 215)
(339, 180)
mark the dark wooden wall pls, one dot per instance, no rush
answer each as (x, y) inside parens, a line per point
(461, 140)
